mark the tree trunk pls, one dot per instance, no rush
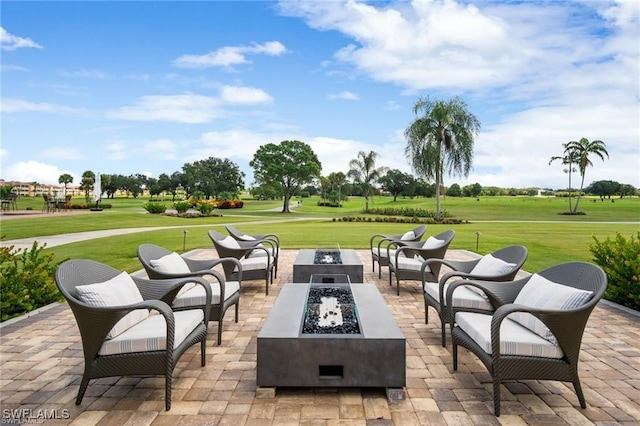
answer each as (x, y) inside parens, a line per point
(285, 207)
(575, 208)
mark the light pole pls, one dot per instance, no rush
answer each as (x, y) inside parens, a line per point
(184, 240)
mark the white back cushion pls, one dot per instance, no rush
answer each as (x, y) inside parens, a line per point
(541, 293)
(118, 291)
(408, 236)
(229, 242)
(432, 243)
(170, 264)
(491, 266)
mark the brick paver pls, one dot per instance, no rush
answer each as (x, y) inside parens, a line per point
(41, 365)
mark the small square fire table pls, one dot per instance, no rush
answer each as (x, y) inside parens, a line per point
(306, 265)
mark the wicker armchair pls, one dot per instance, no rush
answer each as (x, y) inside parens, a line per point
(501, 265)
(379, 242)
(254, 267)
(542, 341)
(224, 293)
(408, 262)
(271, 241)
(151, 346)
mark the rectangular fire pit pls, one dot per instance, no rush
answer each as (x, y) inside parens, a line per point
(373, 354)
(308, 263)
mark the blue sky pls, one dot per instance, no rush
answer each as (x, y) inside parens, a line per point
(145, 87)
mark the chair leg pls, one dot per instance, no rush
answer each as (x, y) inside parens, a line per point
(167, 390)
(397, 285)
(203, 352)
(454, 351)
(83, 388)
(496, 395)
(444, 336)
(426, 312)
(578, 388)
(237, 309)
(220, 329)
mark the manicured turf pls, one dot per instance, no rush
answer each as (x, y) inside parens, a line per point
(530, 221)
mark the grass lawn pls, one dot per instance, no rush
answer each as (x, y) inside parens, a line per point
(530, 221)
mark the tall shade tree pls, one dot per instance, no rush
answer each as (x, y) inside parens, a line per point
(65, 179)
(440, 140)
(290, 164)
(582, 149)
(364, 173)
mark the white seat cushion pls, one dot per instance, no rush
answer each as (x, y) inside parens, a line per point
(540, 293)
(253, 263)
(170, 264)
(270, 249)
(411, 263)
(463, 297)
(432, 243)
(151, 334)
(514, 338)
(383, 252)
(120, 290)
(197, 295)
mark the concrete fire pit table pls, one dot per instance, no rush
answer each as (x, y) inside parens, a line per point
(374, 356)
(305, 265)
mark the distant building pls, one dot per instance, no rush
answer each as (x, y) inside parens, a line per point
(28, 189)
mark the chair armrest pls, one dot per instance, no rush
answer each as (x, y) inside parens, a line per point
(499, 293)
(383, 236)
(273, 237)
(167, 290)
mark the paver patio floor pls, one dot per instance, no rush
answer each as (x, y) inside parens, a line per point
(41, 366)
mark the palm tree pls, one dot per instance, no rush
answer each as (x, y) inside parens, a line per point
(65, 179)
(441, 140)
(568, 159)
(337, 179)
(364, 173)
(581, 150)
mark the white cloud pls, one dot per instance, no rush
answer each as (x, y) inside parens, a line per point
(343, 95)
(164, 149)
(101, 75)
(11, 68)
(12, 42)
(62, 153)
(35, 171)
(228, 56)
(12, 105)
(187, 108)
(244, 95)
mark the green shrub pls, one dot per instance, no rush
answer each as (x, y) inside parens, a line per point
(620, 260)
(205, 208)
(181, 206)
(407, 211)
(27, 280)
(154, 207)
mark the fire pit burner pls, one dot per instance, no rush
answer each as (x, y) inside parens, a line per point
(327, 257)
(330, 310)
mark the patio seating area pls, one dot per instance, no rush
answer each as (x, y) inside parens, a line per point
(41, 368)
